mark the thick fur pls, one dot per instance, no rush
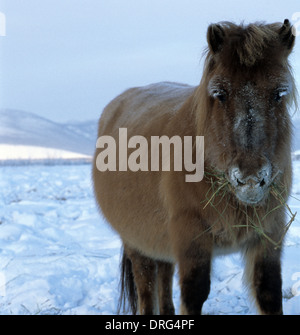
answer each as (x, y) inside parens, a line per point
(162, 219)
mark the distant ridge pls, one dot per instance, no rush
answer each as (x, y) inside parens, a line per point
(24, 130)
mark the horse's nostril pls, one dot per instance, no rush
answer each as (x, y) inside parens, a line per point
(243, 181)
(262, 183)
(250, 182)
(240, 183)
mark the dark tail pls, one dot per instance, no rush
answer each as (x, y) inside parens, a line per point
(128, 295)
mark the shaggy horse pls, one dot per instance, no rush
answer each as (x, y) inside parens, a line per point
(241, 109)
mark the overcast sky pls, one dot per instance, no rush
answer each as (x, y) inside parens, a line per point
(66, 59)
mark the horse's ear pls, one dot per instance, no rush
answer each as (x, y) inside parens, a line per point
(286, 35)
(215, 37)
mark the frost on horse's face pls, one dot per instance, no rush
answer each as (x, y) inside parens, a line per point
(249, 86)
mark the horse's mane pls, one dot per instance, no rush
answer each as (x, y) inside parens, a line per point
(249, 44)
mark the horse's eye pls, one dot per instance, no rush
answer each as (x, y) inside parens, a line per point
(220, 94)
(222, 97)
(279, 93)
(277, 97)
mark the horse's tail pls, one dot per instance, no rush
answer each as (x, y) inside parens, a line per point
(128, 295)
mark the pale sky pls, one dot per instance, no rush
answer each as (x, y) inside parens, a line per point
(66, 59)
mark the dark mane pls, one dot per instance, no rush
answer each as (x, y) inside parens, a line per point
(250, 44)
(248, 47)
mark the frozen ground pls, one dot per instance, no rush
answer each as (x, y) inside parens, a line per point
(57, 255)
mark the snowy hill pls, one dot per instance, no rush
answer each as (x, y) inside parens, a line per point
(26, 136)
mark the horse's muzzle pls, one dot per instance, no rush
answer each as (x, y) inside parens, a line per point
(252, 189)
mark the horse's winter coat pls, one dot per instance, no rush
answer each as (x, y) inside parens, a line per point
(241, 109)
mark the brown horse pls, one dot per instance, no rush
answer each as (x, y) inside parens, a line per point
(241, 109)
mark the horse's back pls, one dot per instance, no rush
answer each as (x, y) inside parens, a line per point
(141, 106)
(131, 201)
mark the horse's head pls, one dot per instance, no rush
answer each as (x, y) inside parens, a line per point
(249, 85)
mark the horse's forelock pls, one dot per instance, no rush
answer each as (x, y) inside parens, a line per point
(248, 45)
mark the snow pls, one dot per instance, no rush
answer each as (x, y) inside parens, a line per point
(27, 129)
(31, 153)
(59, 256)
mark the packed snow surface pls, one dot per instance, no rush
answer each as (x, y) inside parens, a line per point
(59, 256)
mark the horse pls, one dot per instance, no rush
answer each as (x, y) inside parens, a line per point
(242, 108)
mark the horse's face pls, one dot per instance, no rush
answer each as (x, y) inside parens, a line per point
(248, 117)
(249, 112)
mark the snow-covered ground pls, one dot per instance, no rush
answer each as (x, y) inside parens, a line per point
(58, 256)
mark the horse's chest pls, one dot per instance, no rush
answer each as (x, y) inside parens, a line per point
(232, 238)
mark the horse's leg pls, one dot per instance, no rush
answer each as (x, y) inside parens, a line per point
(263, 271)
(145, 277)
(165, 283)
(193, 249)
(195, 282)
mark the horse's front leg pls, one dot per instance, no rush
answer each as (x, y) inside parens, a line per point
(264, 267)
(193, 249)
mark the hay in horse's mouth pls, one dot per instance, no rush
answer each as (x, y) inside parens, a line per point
(221, 188)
